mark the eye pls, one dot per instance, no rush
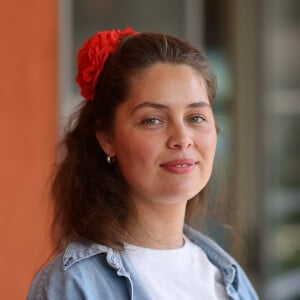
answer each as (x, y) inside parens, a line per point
(152, 121)
(196, 119)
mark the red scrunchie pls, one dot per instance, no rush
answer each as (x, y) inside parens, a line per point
(93, 55)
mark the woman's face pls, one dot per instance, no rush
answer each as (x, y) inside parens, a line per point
(164, 136)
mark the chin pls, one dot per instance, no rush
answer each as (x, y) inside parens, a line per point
(177, 196)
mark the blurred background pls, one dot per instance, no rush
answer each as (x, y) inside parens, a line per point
(253, 47)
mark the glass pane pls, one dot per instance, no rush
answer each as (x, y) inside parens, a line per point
(283, 151)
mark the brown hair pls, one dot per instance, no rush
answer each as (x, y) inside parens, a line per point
(89, 194)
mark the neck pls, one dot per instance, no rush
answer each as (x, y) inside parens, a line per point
(158, 227)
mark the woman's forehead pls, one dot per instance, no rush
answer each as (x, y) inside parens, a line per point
(164, 85)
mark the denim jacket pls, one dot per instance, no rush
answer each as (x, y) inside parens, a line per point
(92, 271)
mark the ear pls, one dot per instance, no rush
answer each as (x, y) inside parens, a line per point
(106, 143)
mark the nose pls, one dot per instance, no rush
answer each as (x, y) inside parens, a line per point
(179, 137)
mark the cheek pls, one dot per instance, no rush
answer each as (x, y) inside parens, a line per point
(136, 159)
(207, 143)
(136, 150)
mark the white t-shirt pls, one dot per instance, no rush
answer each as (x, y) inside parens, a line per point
(183, 274)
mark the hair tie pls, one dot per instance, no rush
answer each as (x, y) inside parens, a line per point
(93, 55)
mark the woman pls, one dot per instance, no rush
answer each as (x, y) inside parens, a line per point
(136, 164)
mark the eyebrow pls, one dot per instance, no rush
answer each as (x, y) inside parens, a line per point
(165, 107)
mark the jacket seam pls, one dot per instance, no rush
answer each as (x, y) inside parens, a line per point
(42, 284)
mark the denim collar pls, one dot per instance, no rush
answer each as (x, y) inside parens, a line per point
(83, 249)
(222, 260)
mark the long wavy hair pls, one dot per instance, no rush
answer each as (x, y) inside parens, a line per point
(90, 196)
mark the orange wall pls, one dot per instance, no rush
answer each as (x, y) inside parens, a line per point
(28, 109)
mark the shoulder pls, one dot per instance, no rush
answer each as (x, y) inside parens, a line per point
(84, 270)
(235, 279)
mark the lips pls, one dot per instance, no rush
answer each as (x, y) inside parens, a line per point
(179, 166)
